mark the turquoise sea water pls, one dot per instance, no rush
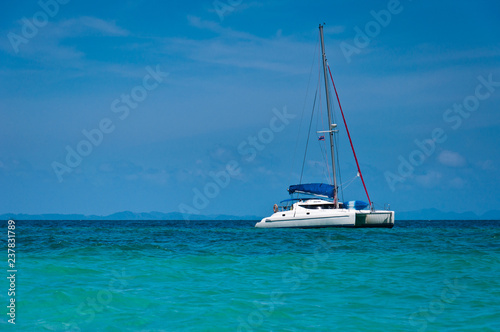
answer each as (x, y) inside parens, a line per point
(229, 276)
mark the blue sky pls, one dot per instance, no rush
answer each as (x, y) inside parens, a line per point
(216, 93)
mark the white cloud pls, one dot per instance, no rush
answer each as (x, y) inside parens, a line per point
(241, 49)
(106, 28)
(81, 26)
(46, 46)
(132, 172)
(429, 53)
(217, 28)
(451, 159)
(334, 30)
(429, 180)
(487, 165)
(265, 171)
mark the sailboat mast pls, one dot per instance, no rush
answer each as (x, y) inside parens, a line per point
(330, 125)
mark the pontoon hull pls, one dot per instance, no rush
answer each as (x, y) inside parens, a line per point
(335, 218)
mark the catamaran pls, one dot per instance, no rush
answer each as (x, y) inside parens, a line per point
(321, 207)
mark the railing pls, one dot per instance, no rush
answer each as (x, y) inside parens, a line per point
(387, 207)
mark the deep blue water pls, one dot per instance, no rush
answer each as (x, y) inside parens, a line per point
(230, 276)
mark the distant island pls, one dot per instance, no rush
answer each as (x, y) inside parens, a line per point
(126, 215)
(425, 214)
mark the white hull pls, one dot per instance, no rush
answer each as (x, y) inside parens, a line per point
(376, 218)
(300, 217)
(340, 220)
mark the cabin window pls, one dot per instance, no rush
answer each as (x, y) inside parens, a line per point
(319, 207)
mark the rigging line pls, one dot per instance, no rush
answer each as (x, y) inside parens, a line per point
(336, 139)
(339, 169)
(348, 183)
(308, 135)
(302, 115)
(323, 152)
(349, 135)
(338, 161)
(325, 160)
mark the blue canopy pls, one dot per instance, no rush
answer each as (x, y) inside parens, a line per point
(320, 189)
(357, 205)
